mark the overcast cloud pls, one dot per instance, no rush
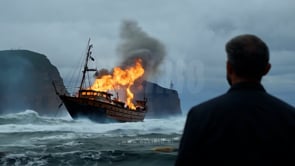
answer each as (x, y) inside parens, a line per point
(194, 33)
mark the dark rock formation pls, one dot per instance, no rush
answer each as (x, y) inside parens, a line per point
(26, 82)
(162, 102)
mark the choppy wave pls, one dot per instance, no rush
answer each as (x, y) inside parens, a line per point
(29, 139)
(91, 157)
(30, 117)
(30, 121)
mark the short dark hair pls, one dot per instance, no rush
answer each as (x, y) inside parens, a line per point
(248, 55)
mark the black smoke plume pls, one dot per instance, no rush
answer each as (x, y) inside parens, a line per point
(101, 72)
(135, 43)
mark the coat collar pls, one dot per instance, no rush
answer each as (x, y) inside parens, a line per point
(247, 86)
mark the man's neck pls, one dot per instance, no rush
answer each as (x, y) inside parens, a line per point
(238, 80)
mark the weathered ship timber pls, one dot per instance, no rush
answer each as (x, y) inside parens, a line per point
(100, 106)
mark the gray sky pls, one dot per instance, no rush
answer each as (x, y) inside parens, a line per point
(194, 33)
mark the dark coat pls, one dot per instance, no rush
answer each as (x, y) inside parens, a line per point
(246, 123)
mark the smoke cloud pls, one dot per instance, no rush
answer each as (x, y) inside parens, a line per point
(135, 43)
(101, 72)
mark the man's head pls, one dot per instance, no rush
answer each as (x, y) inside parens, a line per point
(247, 59)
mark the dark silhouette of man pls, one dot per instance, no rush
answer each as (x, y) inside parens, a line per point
(245, 123)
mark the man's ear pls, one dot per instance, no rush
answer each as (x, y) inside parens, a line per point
(267, 69)
(229, 68)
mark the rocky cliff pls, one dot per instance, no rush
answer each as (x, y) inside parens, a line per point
(162, 102)
(26, 83)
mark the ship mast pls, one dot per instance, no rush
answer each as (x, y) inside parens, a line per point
(88, 55)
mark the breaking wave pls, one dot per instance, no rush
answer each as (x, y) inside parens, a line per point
(29, 139)
(30, 117)
(30, 121)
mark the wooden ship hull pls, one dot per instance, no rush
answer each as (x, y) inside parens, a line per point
(100, 112)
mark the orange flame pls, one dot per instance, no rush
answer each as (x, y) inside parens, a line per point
(120, 79)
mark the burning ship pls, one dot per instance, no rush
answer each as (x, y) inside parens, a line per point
(98, 104)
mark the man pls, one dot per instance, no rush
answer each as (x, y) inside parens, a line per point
(246, 123)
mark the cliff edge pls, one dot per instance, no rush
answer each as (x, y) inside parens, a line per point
(26, 82)
(162, 102)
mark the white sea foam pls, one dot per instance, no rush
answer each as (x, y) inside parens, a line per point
(29, 139)
(30, 121)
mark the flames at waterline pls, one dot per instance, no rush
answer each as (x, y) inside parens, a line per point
(120, 79)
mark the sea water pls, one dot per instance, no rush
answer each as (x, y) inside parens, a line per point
(29, 139)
